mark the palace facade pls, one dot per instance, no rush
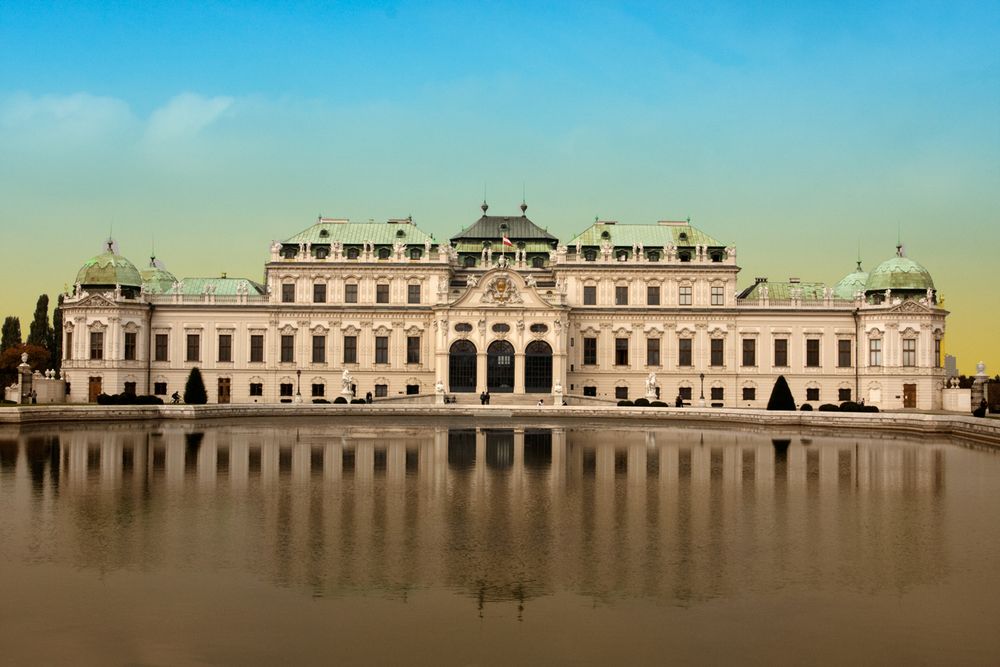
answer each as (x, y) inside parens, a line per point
(620, 311)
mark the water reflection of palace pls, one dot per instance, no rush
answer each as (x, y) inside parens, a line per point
(496, 514)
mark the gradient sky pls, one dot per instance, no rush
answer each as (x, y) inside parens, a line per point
(792, 130)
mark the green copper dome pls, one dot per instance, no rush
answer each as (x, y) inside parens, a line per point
(899, 273)
(851, 284)
(107, 270)
(156, 279)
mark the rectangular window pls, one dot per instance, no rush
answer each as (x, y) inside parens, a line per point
(590, 295)
(381, 390)
(382, 293)
(844, 394)
(413, 293)
(96, 345)
(621, 351)
(225, 347)
(749, 351)
(257, 348)
(286, 389)
(718, 299)
(319, 390)
(812, 393)
(621, 393)
(909, 351)
(718, 351)
(781, 352)
(68, 350)
(844, 354)
(129, 388)
(812, 352)
(130, 346)
(412, 389)
(621, 295)
(160, 347)
(875, 352)
(684, 296)
(717, 393)
(288, 293)
(652, 351)
(288, 348)
(684, 393)
(351, 293)
(350, 349)
(319, 293)
(381, 349)
(256, 389)
(590, 391)
(413, 349)
(159, 389)
(652, 295)
(319, 350)
(749, 393)
(193, 347)
(589, 351)
(937, 353)
(684, 346)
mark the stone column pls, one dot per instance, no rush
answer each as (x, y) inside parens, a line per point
(481, 371)
(519, 371)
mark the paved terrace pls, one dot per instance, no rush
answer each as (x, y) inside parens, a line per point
(967, 429)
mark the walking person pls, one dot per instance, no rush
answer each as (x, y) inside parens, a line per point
(487, 396)
(482, 398)
(175, 398)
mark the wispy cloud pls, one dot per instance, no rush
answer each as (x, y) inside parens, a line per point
(76, 118)
(184, 116)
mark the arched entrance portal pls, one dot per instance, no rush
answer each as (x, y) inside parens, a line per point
(462, 367)
(537, 367)
(500, 367)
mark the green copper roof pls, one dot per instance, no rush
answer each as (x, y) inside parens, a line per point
(156, 279)
(899, 273)
(648, 235)
(494, 227)
(221, 286)
(350, 233)
(109, 268)
(783, 291)
(529, 246)
(850, 284)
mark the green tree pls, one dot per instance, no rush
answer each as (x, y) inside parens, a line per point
(10, 359)
(10, 335)
(55, 347)
(781, 396)
(39, 332)
(194, 389)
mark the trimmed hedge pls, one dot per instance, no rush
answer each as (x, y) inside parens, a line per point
(850, 406)
(658, 404)
(829, 407)
(358, 401)
(781, 396)
(340, 399)
(128, 399)
(641, 403)
(806, 407)
(625, 404)
(321, 400)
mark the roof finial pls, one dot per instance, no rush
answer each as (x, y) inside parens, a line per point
(859, 255)
(899, 239)
(524, 206)
(485, 206)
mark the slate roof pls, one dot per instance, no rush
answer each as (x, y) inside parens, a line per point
(649, 235)
(356, 233)
(488, 228)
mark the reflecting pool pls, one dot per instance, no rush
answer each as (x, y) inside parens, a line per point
(317, 542)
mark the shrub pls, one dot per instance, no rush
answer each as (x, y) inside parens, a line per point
(781, 396)
(829, 407)
(321, 400)
(850, 406)
(869, 408)
(128, 399)
(658, 404)
(806, 407)
(980, 411)
(641, 403)
(359, 401)
(625, 404)
(194, 389)
(340, 399)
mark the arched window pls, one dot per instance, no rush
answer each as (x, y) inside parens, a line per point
(462, 366)
(538, 262)
(289, 252)
(683, 236)
(653, 256)
(716, 256)
(500, 367)
(324, 233)
(537, 366)
(605, 234)
(590, 255)
(622, 255)
(321, 252)
(684, 256)
(400, 233)
(416, 253)
(353, 253)
(383, 253)
(469, 261)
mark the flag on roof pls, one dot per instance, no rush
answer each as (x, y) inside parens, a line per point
(506, 241)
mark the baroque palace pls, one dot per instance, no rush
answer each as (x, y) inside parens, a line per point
(620, 311)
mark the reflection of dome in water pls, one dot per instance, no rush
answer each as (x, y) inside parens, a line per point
(851, 284)
(156, 279)
(108, 269)
(899, 273)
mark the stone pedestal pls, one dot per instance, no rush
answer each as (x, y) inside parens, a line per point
(979, 385)
(24, 378)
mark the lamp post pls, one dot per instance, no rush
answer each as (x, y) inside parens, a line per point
(298, 386)
(701, 399)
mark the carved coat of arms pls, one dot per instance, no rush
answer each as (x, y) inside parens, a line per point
(501, 291)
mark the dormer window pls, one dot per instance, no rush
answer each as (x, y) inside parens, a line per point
(469, 262)
(683, 236)
(538, 262)
(622, 256)
(653, 256)
(324, 233)
(416, 253)
(716, 256)
(503, 226)
(400, 233)
(605, 234)
(321, 253)
(383, 253)
(289, 252)
(353, 253)
(590, 255)
(684, 256)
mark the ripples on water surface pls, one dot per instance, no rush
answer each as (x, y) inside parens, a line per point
(316, 543)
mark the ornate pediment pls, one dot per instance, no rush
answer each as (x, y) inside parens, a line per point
(909, 306)
(501, 291)
(94, 301)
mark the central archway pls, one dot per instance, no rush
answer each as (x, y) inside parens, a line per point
(538, 367)
(500, 367)
(462, 367)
